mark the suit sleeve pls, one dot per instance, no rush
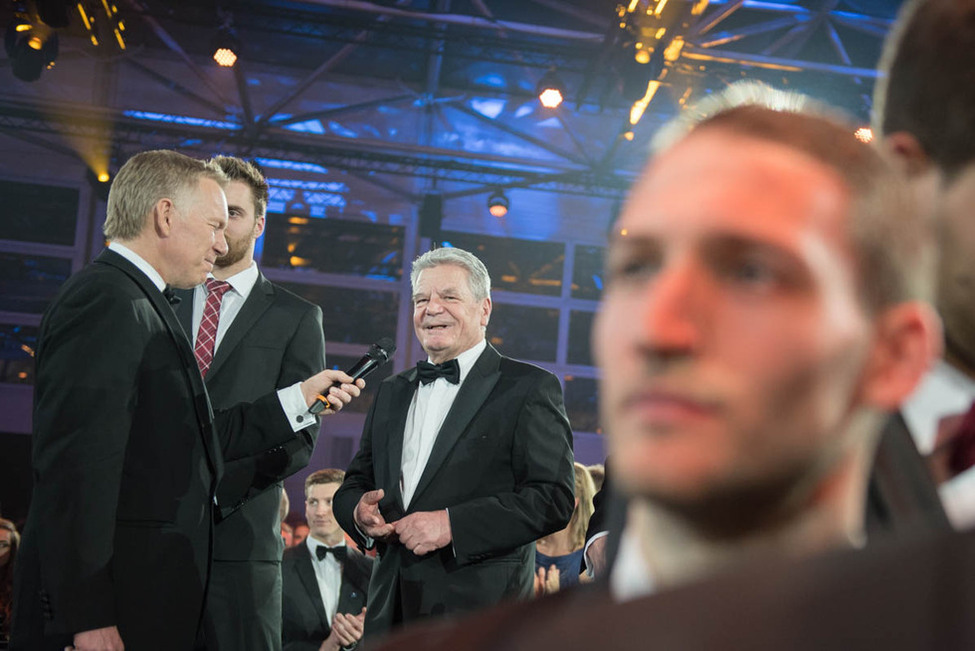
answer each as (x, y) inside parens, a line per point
(303, 357)
(544, 492)
(360, 478)
(83, 415)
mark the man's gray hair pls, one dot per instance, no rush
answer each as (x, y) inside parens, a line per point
(477, 274)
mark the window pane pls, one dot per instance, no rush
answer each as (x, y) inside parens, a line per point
(524, 332)
(353, 316)
(38, 213)
(17, 346)
(364, 401)
(336, 246)
(581, 404)
(29, 282)
(516, 265)
(580, 330)
(587, 274)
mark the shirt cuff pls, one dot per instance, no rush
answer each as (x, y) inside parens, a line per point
(585, 550)
(370, 542)
(294, 406)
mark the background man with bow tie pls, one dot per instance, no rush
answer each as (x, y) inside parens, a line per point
(456, 476)
(325, 582)
(249, 337)
(127, 452)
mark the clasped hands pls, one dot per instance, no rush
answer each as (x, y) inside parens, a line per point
(422, 532)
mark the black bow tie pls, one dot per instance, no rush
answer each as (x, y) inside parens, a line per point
(339, 552)
(449, 370)
(170, 295)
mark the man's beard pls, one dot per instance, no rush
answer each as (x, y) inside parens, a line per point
(235, 253)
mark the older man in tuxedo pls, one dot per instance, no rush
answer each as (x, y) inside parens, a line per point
(325, 582)
(127, 452)
(464, 462)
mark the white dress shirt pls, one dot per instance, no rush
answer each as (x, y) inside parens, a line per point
(429, 408)
(945, 391)
(328, 571)
(241, 284)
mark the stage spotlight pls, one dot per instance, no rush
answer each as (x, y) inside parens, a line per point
(550, 90)
(864, 134)
(31, 47)
(498, 203)
(225, 47)
(100, 181)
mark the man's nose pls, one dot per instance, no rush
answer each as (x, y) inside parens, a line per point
(674, 307)
(220, 243)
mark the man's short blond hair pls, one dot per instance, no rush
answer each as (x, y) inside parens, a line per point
(144, 180)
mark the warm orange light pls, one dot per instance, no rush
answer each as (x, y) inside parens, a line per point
(103, 177)
(628, 135)
(225, 57)
(864, 134)
(498, 210)
(642, 56)
(35, 42)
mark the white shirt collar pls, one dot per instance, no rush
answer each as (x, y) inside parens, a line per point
(139, 262)
(944, 391)
(243, 282)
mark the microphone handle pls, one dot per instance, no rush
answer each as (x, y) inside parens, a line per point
(362, 368)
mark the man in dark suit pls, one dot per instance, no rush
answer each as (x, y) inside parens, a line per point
(325, 582)
(464, 461)
(126, 450)
(266, 339)
(924, 103)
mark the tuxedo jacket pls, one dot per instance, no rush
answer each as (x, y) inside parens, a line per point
(126, 459)
(274, 341)
(303, 622)
(501, 465)
(913, 593)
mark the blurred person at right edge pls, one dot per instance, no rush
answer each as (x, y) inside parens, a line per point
(9, 541)
(753, 342)
(924, 115)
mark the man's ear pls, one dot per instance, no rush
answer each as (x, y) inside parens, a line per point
(259, 226)
(906, 153)
(907, 342)
(486, 307)
(163, 216)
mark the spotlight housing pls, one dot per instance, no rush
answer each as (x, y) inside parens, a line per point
(31, 47)
(551, 90)
(226, 47)
(498, 203)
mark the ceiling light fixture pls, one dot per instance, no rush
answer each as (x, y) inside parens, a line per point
(551, 90)
(498, 203)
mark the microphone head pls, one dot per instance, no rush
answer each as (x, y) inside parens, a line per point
(382, 349)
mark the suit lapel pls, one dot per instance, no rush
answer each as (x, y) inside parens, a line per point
(184, 312)
(355, 584)
(260, 298)
(306, 573)
(473, 392)
(404, 386)
(204, 411)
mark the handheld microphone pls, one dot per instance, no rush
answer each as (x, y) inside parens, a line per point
(377, 355)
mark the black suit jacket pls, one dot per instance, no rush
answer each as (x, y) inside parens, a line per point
(275, 340)
(915, 593)
(501, 465)
(126, 458)
(303, 622)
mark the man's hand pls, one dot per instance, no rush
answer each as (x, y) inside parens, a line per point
(368, 517)
(99, 639)
(424, 532)
(346, 631)
(338, 396)
(596, 555)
